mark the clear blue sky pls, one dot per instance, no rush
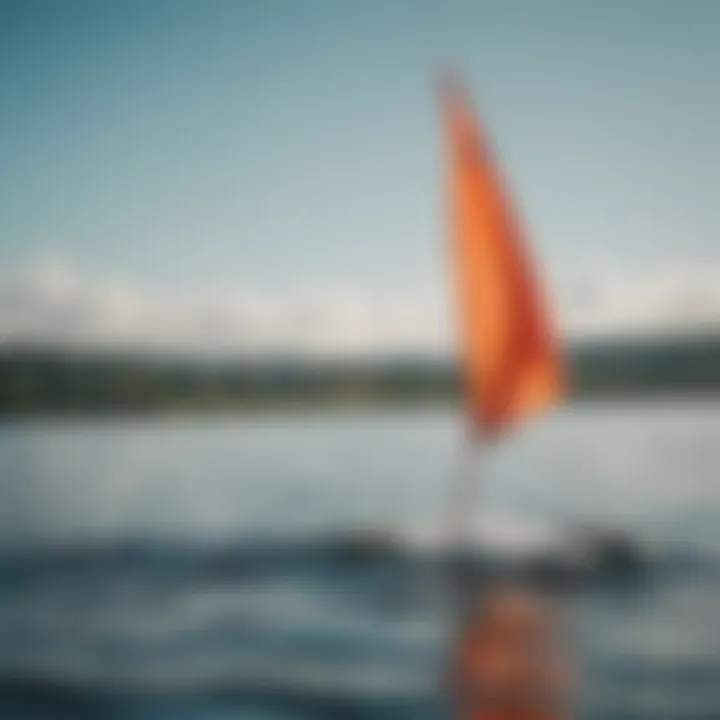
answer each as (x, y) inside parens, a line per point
(273, 142)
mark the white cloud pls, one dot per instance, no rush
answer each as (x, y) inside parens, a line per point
(651, 301)
(54, 304)
(51, 304)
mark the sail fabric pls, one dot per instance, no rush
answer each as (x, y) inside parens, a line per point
(511, 362)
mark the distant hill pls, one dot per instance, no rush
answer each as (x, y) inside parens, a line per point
(39, 381)
(689, 365)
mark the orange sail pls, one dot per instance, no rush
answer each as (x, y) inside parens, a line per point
(511, 363)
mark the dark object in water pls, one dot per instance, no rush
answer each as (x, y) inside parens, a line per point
(365, 547)
(563, 561)
(616, 557)
(603, 557)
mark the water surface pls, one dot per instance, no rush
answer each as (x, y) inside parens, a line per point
(140, 567)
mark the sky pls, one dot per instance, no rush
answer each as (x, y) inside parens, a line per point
(236, 175)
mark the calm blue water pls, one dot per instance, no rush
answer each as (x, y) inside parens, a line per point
(179, 568)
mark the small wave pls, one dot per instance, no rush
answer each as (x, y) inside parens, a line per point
(635, 690)
(254, 559)
(394, 551)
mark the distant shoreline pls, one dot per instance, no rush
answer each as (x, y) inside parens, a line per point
(48, 382)
(291, 409)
